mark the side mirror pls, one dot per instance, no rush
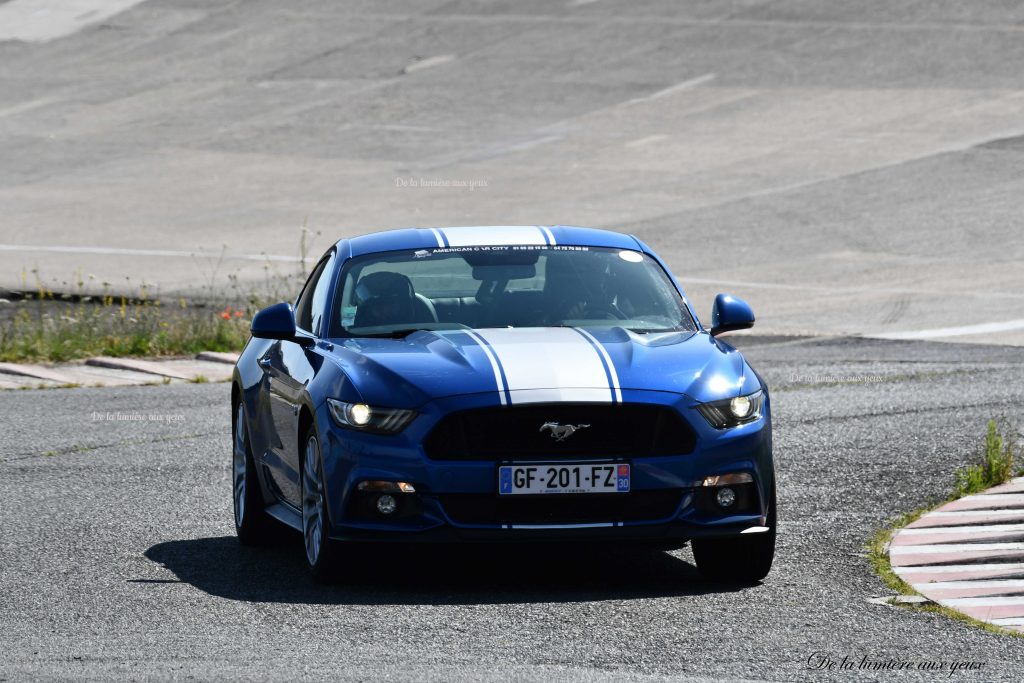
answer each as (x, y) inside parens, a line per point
(275, 322)
(730, 313)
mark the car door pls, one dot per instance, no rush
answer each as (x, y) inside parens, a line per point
(288, 368)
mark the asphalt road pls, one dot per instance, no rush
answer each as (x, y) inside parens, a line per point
(117, 557)
(849, 168)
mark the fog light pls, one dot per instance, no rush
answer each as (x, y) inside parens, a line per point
(386, 504)
(725, 497)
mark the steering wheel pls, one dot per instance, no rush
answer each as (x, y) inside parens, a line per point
(607, 311)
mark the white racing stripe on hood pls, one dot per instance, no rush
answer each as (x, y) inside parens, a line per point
(502, 389)
(550, 364)
(496, 235)
(612, 375)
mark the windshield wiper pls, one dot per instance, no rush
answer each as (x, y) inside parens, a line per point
(395, 334)
(654, 330)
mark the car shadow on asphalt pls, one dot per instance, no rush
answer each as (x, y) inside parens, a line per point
(430, 575)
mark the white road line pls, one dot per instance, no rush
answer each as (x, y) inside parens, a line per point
(640, 142)
(952, 548)
(39, 21)
(28, 106)
(997, 499)
(1009, 621)
(954, 568)
(967, 583)
(982, 328)
(953, 514)
(516, 147)
(983, 602)
(845, 290)
(428, 63)
(678, 87)
(919, 531)
(117, 251)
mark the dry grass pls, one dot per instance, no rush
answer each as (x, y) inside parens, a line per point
(61, 320)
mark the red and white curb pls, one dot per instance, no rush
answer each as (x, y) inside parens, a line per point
(104, 371)
(968, 555)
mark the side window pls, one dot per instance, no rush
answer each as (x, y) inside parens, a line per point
(310, 307)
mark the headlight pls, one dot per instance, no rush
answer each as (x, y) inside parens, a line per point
(731, 412)
(369, 419)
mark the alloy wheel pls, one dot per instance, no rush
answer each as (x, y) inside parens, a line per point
(312, 502)
(238, 458)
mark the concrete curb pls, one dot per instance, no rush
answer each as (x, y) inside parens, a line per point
(152, 367)
(107, 371)
(968, 555)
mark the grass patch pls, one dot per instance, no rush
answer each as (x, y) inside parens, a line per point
(878, 551)
(76, 318)
(48, 328)
(996, 467)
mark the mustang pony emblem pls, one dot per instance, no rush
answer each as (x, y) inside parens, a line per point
(560, 432)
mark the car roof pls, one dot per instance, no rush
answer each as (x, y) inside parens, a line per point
(485, 235)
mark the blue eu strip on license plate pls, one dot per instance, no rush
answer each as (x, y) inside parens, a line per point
(563, 478)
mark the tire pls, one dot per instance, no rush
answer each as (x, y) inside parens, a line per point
(322, 553)
(252, 525)
(740, 559)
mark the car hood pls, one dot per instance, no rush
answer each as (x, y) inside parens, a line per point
(540, 365)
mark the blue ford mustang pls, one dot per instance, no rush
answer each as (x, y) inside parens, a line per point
(504, 383)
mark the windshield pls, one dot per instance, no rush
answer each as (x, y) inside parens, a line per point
(396, 293)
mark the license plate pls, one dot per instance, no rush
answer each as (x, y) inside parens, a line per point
(566, 478)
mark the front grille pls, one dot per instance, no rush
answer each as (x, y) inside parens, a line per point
(636, 506)
(624, 430)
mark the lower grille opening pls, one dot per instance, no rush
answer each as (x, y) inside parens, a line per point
(636, 506)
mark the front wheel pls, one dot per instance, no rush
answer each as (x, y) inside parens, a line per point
(740, 559)
(321, 551)
(252, 525)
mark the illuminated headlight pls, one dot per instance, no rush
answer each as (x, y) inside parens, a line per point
(359, 414)
(740, 407)
(731, 412)
(368, 418)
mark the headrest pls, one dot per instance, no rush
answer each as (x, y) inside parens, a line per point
(383, 284)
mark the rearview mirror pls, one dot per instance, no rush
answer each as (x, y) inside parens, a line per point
(729, 313)
(274, 322)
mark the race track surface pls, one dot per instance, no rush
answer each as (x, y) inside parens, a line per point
(117, 557)
(847, 167)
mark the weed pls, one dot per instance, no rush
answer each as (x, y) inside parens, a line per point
(996, 466)
(79, 317)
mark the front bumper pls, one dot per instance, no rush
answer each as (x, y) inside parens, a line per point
(351, 457)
